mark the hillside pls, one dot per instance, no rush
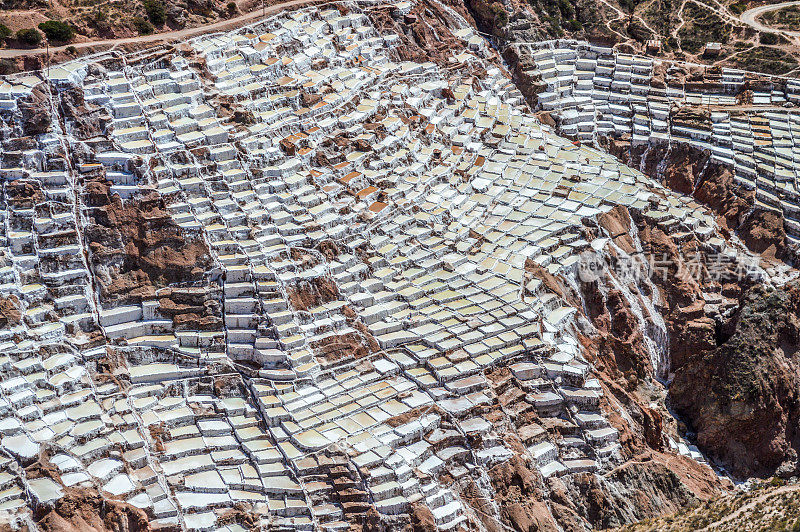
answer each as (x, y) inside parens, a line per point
(773, 507)
(362, 268)
(671, 29)
(94, 20)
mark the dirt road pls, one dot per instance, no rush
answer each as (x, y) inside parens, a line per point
(750, 17)
(177, 35)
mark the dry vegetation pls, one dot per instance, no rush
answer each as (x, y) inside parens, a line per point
(104, 19)
(673, 29)
(787, 18)
(770, 506)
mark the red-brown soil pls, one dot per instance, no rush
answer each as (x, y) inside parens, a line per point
(747, 412)
(339, 347)
(9, 311)
(85, 510)
(136, 247)
(312, 293)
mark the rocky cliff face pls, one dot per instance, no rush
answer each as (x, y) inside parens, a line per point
(140, 254)
(137, 245)
(624, 338)
(747, 411)
(632, 325)
(734, 368)
(651, 486)
(691, 171)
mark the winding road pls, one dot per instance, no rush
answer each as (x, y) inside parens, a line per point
(168, 36)
(750, 17)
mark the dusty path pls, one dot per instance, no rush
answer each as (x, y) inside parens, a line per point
(177, 35)
(750, 17)
(746, 507)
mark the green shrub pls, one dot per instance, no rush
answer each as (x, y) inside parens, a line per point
(71, 50)
(703, 25)
(232, 8)
(566, 9)
(738, 8)
(767, 60)
(29, 36)
(57, 30)
(5, 31)
(768, 38)
(574, 25)
(7, 66)
(499, 14)
(155, 11)
(143, 26)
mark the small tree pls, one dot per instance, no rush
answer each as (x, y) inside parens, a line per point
(574, 25)
(142, 26)
(7, 66)
(155, 11)
(232, 8)
(769, 38)
(499, 14)
(5, 31)
(29, 36)
(57, 30)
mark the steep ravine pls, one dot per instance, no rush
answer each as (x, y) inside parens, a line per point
(735, 372)
(747, 411)
(636, 333)
(621, 332)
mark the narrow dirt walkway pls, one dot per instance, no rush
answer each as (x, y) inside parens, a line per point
(750, 504)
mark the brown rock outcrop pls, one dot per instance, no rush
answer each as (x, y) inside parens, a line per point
(312, 293)
(35, 112)
(340, 346)
(426, 33)
(24, 194)
(85, 510)
(747, 411)
(650, 486)
(519, 497)
(528, 83)
(620, 342)
(689, 170)
(10, 314)
(136, 247)
(688, 332)
(422, 519)
(191, 308)
(87, 120)
(763, 232)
